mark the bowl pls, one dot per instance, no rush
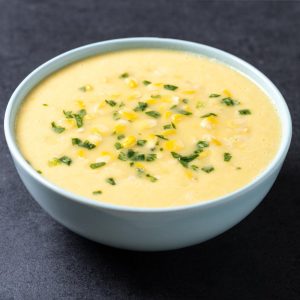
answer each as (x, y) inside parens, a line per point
(141, 228)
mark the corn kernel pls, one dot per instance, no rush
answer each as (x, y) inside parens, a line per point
(189, 92)
(187, 108)
(189, 174)
(227, 93)
(139, 165)
(146, 124)
(129, 141)
(102, 104)
(87, 88)
(172, 145)
(95, 139)
(106, 156)
(216, 141)
(176, 118)
(209, 122)
(120, 128)
(81, 153)
(168, 132)
(128, 115)
(152, 101)
(80, 103)
(132, 83)
(167, 114)
(158, 84)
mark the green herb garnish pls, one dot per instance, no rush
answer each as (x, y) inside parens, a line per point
(153, 114)
(118, 146)
(169, 126)
(184, 160)
(141, 143)
(208, 115)
(86, 144)
(170, 87)
(45, 104)
(111, 181)
(186, 101)
(200, 146)
(214, 95)
(121, 136)
(194, 167)
(207, 169)
(184, 112)
(56, 128)
(99, 192)
(150, 157)
(65, 160)
(78, 116)
(116, 115)
(111, 102)
(151, 178)
(245, 112)
(227, 156)
(39, 171)
(97, 165)
(146, 82)
(141, 106)
(161, 137)
(124, 75)
(229, 101)
(155, 96)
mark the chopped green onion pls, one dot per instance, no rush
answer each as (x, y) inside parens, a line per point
(56, 128)
(229, 101)
(124, 75)
(99, 192)
(208, 115)
(170, 87)
(141, 106)
(146, 82)
(86, 144)
(111, 181)
(227, 156)
(97, 165)
(153, 114)
(245, 112)
(111, 102)
(207, 169)
(141, 142)
(214, 95)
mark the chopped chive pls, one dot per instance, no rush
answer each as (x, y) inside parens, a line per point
(99, 192)
(68, 114)
(141, 106)
(199, 104)
(214, 95)
(111, 181)
(186, 101)
(118, 146)
(123, 156)
(151, 178)
(97, 165)
(170, 87)
(194, 167)
(238, 168)
(86, 144)
(122, 104)
(116, 115)
(184, 160)
(65, 160)
(208, 115)
(153, 114)
(227, 156)
(141, 143)
(229, 101)
(56, 128)
(245, 112)
(45, 104)
(39, 171)
(208, 169)
(161, 137)
(111, 102)
(155, 96)
(146, 82)
(151, 157)
(121, 136)
(168, 126)
(184, 112)
(78, 116)
(124, 75)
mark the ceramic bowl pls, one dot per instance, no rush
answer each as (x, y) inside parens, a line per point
(141, 228)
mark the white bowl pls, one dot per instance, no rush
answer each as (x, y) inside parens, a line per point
(140, 228)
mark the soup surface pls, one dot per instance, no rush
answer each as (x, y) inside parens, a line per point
(148, 128)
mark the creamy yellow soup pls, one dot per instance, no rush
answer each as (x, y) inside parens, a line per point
(148, 128)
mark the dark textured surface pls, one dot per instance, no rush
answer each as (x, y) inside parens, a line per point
(258, 259)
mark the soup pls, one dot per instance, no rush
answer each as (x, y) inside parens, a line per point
(148, 128)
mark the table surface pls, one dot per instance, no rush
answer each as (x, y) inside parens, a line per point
(258, 259)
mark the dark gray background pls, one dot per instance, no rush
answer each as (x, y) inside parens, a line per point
(258, 259)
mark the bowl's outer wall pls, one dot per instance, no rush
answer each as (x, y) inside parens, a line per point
(144, 229)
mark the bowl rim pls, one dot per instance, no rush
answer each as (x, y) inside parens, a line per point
(165, 43)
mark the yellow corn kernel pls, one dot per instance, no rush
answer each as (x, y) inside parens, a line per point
(216, 141)
(189, 92)
(212, 120)
(152, 136)
(80, 103)
(129, 115)
(139, 165)
(81, 153)
(158, 84)
(152, 101)
(168, 132)
(95, 139)
(129, 141)
(120, 128)
(70, 122)
(146, 124)
(187, 108)
(166, 100)
(116, 95)
(189, 174)
(204, 154)
(167, 114)
(172, 145)
(132, 83)
(102, 104)
(106, 156)
(176, 118)
(227, 93)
